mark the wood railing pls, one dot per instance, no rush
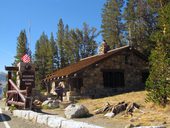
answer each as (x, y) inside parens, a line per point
(20, 95)
(16, 96)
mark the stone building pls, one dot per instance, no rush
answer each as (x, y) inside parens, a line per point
(104, 74)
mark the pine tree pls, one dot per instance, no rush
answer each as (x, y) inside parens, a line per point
(67, 45)
(43, 58)
(55, 52)
(158, 83)
(60, 42)
(139, 23)
(112, 27)
(74, 45)
(48, 58)
(88, 45)
(21, 47)
(39, 64)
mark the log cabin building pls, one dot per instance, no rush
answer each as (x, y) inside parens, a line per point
(100, 75)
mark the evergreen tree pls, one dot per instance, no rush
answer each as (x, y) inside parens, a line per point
(48, 58)
(21, 47)
(112, 27)
(74, 46)
(67, 45)
(140, 23)
(55, 52)
(158, 83)
(43, 58)
(38, 63)
(60, 41)
(88, 45)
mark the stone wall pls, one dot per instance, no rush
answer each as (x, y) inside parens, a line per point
(93, 76)
(51, 121)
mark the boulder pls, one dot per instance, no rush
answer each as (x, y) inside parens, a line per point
(76, 111)
(51, 103)
(54, 104)
(46, 102)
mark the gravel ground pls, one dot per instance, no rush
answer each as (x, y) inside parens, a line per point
(14, 122)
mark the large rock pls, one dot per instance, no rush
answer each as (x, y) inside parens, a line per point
(76, 111)
(46, 102)
(54, 104)
(51, 103)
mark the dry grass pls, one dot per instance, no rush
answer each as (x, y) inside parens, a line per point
(138, 97)
(153, 115)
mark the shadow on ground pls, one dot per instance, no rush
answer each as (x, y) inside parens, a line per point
(40, 111)
(4, 117)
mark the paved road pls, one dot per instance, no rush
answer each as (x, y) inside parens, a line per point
(9, 121)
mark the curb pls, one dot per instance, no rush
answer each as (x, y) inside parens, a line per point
(52, 121)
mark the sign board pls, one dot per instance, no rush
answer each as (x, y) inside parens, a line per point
(27, 75)
(28, 78)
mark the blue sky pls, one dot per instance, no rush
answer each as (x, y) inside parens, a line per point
(42, 16)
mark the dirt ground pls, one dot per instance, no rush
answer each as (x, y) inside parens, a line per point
(151, 115)
(97, 119)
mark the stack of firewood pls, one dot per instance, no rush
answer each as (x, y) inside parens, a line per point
(112, 110)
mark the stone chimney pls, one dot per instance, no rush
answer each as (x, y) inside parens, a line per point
(104, 48)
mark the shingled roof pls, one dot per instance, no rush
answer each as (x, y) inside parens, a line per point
(82, 64)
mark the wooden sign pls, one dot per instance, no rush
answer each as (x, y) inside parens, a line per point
(28, 78)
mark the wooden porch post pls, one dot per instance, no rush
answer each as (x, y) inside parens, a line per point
(9, 77)
(8, 87)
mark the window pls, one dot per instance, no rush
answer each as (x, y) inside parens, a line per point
(113, 79)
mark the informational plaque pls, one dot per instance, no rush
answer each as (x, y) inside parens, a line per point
(28, 78)
(27, 75)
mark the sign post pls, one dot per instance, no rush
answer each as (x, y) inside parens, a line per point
(27, 80)
(27, 75)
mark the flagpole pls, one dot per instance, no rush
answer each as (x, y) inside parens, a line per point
(29, 39)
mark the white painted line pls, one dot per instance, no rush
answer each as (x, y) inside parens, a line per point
(3, 119)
